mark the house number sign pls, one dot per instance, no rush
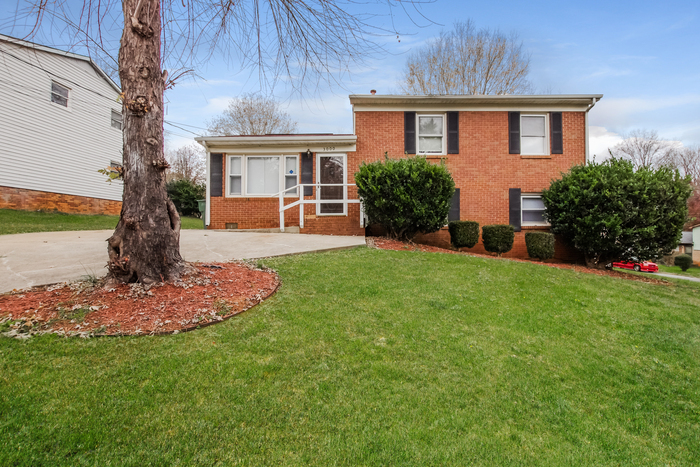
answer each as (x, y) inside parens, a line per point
(329, 148)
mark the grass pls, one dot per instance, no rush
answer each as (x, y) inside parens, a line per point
(692, 271)
(12, 222)
(367, 357)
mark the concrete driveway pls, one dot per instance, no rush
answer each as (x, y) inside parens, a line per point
(47, 257)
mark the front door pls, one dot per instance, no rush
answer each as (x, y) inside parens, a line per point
(331, 169)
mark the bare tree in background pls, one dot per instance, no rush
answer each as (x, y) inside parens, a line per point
(186, 163)
(252, 114)
(643, 148)
(468, 61)
(686, 160)
(300, 39)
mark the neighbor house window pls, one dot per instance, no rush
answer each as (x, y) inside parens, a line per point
(532, 210)
(431, 134)
(59, 94)
(116, 120)
(533, 135)
(262, 175)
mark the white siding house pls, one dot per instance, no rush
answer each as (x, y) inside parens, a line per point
(60, 122)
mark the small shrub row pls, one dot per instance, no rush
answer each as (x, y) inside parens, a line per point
(684, 261)
(464, 233)
(540, 245)
(498, 238)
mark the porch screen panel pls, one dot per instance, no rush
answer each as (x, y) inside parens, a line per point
(331, 171)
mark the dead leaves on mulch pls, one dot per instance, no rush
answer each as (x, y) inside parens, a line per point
(212, 294)
(389, 244)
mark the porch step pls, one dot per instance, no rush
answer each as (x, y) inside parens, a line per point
(292, 229)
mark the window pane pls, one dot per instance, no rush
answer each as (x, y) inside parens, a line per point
(532, 126)
(290, 181)
(116, 120)
(431, 144)
(263, 175)
(533, 203)
(235, 185)
(235, 166)
(533, 216)
(532, 145)
(430, 125)
(59, 94)
(290, 166)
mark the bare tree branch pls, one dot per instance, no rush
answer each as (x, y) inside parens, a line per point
(643, 148)
(252, 114)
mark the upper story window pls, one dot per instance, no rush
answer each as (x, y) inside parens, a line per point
(532, 210)
(533, 135)
(431, 134)
(59, 94)
(116, 120)
(262, 175)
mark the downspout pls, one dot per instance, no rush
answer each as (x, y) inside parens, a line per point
(590, 106)
(207, 196)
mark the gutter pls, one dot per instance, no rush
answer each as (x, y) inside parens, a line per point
(594, 100)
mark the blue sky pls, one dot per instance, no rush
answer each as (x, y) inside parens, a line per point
(643, 56)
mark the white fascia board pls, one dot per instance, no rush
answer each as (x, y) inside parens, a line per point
(278, 144)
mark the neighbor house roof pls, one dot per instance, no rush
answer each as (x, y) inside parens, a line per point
(63, 53)
(573, 102)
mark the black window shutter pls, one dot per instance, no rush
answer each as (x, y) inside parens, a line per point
(452, 132)
(557, 134)
(409, 137)
(514, 202)
(514, 132)
(453, 215)
(307, 172)
(216, 175)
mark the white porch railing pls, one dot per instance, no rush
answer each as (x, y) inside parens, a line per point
(301, 201)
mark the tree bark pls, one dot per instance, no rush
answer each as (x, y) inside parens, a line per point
(145, 246)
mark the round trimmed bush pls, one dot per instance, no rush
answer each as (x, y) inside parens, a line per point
(498, 238)
(540, 245)
(405, 196)
(684, 261)
(464, 233)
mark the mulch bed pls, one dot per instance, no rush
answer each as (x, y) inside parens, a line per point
(211, 294)
(388, 244)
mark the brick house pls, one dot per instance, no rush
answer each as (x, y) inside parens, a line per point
(502, 152)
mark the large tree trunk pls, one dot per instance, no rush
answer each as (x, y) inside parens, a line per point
(145, 246)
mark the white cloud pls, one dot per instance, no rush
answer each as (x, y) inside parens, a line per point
(600, 139)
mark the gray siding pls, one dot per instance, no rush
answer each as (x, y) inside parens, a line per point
(47, 147)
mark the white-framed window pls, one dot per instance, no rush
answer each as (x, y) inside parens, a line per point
(261, 175)
(532, 210)
(534, 131)
(59, 94)
(430, 133)
(116, 120)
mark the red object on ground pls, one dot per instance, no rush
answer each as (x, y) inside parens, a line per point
(644, 266)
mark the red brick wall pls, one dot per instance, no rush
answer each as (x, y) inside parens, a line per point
(483, 170)
(30, 200)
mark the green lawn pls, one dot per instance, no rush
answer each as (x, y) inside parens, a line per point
(368, 357)
(692, 271)
(12, 222)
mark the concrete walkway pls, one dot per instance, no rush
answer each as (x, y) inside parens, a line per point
(47, 257)
(677, 276)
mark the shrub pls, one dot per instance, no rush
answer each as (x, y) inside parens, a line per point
(609, 211)
(684, 261)
(540, 245)
(464, 233)
(185, 195)
(405, 196)
(498, 238)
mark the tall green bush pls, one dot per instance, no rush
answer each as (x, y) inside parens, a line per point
(464, 233)
(498, 238)
(684, 261)
(540, 245)
(185, 195)
(611, 212)
(406, 196)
